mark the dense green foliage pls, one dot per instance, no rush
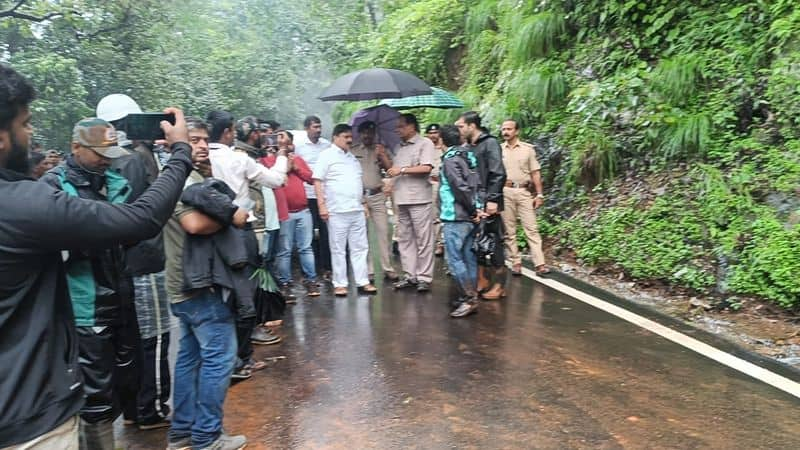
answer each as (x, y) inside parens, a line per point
(668, 129)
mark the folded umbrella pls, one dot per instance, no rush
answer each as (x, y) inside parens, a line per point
(370, 84)
(385, 119)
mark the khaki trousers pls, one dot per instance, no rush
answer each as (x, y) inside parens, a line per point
(63, 437)
(415, 240)
(380, 223)
(437, 225)
(518, 203)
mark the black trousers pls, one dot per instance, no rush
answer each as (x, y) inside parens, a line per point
(155, 382)
(321, 245)
(108, 361)
(244, 348)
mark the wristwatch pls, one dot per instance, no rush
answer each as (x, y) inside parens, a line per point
(540, 196)
(403, 171)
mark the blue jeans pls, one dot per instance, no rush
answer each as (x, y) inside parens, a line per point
(203, 368)
(297, 231)
(461, 260)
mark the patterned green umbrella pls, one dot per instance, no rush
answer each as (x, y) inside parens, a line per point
(438, 99)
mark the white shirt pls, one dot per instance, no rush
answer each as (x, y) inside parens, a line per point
(237, 170)
(310, 151)
(340, 173)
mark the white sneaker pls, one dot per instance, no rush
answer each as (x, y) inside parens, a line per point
(225, 442)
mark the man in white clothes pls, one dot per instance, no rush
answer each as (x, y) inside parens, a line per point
(236, 169)
(340, 196)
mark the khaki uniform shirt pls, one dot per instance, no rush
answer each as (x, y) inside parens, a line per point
(440, 150)
(369, 166)
(414, 189)
(520, 161)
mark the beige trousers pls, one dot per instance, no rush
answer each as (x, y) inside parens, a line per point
(518, 203)
(437, 225)
(415, 240)
(380, 225)
(63, 437)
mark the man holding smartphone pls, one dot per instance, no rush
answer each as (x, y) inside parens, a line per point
(41, 391)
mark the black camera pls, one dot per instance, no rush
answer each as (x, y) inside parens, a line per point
(269, 140)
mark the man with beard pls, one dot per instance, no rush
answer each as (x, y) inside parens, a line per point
(40, 388)
(492, 180)
(524, 173)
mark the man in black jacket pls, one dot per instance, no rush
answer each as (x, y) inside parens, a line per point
(493, 179)
(40, 387)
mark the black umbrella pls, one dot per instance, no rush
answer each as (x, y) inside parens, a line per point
(370, 84)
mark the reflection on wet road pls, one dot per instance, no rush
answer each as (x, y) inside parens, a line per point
(535, 370)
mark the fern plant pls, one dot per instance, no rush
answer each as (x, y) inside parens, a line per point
(542, 87)
(677, 78)
(535, 36)
(594, 158)
(688, 136)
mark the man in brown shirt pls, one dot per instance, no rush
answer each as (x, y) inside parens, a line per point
(373, 157)
(413, 161)
(523, 172)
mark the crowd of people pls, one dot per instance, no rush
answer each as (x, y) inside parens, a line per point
(100, 248)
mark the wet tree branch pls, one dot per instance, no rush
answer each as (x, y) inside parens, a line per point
(14, 13)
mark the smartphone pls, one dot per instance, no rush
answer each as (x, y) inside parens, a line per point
(146, 126)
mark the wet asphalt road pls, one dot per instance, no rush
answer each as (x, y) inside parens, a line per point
(535, 370)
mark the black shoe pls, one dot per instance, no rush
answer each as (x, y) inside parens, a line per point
(312, 288)
(163, 423)
(404, 283)
(288, 295)
(262, 336)
(423, 286)
(465, 309)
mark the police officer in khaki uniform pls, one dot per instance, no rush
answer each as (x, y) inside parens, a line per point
(523, 172)
(432, 133)
(373, 157)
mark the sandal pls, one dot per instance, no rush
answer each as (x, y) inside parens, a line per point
(542, 270)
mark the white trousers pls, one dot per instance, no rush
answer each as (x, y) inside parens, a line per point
(348, 230)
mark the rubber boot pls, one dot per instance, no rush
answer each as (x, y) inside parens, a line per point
(96, 436)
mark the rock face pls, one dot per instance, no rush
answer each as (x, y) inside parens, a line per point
(787, 205)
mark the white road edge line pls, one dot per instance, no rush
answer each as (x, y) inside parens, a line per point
(747, 368)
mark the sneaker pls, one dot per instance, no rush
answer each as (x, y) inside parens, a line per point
(464, 309)
(263, 336)
(180, 444)
(312, 288)
(423, 286)
(405, 283)
(163, 423)
(241, 373)
(225, 442)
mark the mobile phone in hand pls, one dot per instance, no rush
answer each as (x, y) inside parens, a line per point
(146, 126)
